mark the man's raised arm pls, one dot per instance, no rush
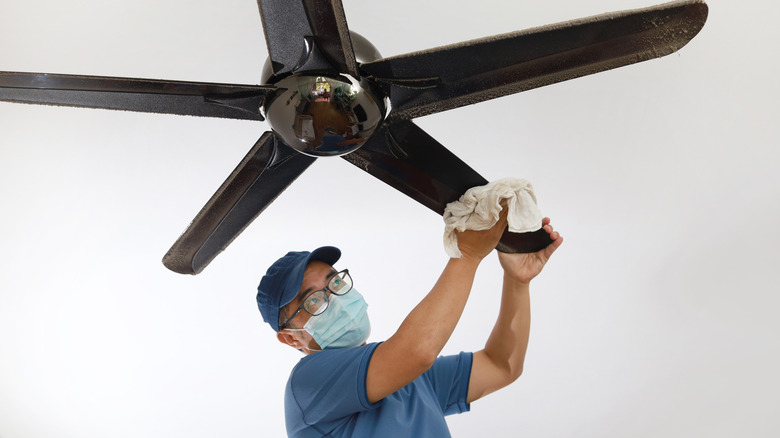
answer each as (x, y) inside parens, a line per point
(419, 340)
(501, 361)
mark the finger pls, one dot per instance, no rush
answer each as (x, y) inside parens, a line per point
(553, 246)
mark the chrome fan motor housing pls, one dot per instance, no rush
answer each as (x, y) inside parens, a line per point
(324, 116)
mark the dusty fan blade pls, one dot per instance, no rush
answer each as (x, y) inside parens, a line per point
(143, 95)
(440, 79)
(411, 161)
(268, 169)
(305, 35)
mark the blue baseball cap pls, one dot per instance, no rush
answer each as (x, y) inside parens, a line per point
(282, 282)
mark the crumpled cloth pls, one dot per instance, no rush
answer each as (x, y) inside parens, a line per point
(479, 209)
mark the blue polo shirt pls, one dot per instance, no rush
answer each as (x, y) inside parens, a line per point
(326, 397)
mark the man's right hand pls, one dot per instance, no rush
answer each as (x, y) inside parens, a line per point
(478, 244)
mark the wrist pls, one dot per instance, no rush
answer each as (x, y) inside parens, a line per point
(466, 261)
(515, 281)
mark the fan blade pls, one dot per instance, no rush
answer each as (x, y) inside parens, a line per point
(411, 161)
(144, 95)
(440, 79)
(268, 169)
(305, 35)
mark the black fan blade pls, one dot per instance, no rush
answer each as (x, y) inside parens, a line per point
(144, 95)
(440, 79)
(305, 35)
(268, 169)
(411, 161)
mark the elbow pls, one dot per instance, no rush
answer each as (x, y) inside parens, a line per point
(514, 368)
(506, 369)
(422, 355)
(423, 358)
(412, 354)
(515, 373)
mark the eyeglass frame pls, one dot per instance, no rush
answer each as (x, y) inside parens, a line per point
(327, 290)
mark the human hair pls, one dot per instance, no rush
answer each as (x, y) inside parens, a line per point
(283, 315)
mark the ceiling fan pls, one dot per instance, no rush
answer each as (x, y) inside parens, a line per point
(327, 92)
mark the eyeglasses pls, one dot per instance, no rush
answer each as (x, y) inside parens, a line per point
(316, 302)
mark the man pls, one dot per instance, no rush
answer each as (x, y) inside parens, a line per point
(400, 387)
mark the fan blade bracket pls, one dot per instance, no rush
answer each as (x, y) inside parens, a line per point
(307, 36)
(252, 104)
(281, 154)
(331, 33)
(411, 83)
(312, 58)
(394, 147)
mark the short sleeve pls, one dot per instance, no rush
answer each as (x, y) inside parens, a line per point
(449, 376)
(329, 385)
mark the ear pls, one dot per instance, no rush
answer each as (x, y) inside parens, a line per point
(289, 338)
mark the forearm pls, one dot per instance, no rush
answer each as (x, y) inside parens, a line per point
(508, 342)
(430, 324)
(501, 361)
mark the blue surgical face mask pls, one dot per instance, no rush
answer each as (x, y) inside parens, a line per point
(344, 324)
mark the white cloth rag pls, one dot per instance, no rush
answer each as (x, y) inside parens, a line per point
(479, 209)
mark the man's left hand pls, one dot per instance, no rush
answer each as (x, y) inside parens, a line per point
(524, 267)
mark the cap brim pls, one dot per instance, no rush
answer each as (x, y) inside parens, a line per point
(327, 254)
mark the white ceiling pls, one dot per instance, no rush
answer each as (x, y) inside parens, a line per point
(655, 319)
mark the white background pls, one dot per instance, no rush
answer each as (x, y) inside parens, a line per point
(656, 318)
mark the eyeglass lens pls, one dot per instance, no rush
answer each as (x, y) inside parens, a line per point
(317, 302)
(340, 283)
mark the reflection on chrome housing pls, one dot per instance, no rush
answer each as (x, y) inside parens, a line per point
(324, 116)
